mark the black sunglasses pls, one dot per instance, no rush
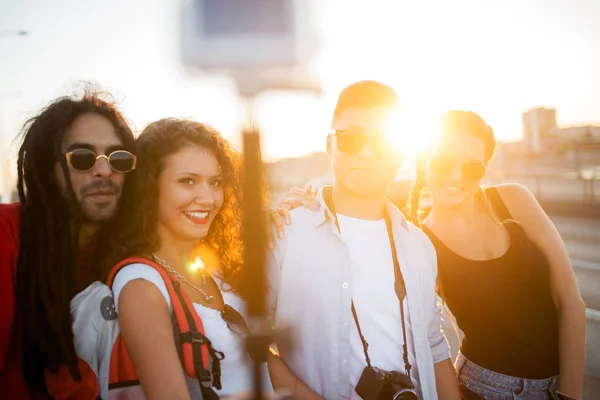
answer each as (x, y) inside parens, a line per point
(234, 320)
(470, 170)
(83, 160)
(237, 324)
(352, 142)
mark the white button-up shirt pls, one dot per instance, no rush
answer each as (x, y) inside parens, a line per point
(310, 276)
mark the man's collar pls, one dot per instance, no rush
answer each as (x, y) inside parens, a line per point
(396, 216)
(325, 215)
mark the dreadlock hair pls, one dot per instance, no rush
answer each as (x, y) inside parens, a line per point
(452, 123)
(159, 140)
(50, 222)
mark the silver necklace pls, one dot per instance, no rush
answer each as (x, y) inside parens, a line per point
(200, 289)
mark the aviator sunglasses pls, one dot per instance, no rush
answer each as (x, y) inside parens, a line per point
(470, 170)
(83, 160)
(352, 142)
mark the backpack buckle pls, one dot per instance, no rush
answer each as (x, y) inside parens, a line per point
(194, 337)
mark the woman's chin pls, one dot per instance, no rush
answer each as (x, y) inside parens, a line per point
(450, 198)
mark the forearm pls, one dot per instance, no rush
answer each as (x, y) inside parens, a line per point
(283, 378)
(446, 382)
(572, 348)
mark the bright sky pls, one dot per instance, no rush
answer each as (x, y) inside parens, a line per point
(495, 57)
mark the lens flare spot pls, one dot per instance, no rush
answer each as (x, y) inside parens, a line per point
(197, 265)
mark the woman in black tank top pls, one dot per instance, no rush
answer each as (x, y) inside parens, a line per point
(503, 271)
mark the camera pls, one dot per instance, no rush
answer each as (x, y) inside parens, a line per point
(377, 384)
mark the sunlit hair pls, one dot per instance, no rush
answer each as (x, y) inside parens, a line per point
(47, 271)
(159, 140)
(452, 124)
(365, 94)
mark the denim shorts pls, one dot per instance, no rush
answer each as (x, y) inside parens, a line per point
(495, 386)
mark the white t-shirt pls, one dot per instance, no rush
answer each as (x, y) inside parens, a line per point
(375, 300)
(236, 367)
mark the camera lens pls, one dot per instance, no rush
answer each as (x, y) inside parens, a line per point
(405, 394)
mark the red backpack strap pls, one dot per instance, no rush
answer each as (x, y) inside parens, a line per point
(196, 348)
(198, 342)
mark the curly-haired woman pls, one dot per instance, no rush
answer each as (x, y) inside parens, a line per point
(188, 200)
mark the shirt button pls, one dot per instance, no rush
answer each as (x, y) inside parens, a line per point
(345, 285)
(344, 361)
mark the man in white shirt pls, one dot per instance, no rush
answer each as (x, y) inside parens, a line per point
(333, 274)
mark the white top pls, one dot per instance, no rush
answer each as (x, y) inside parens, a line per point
(312, 281)
(373, 289)
(236, 367)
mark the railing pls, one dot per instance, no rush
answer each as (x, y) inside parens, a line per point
(563, 192)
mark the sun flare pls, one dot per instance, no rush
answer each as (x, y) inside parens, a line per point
(205, 260)
(410, 133)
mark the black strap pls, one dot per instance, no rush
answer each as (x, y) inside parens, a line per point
(362, 338)
(497, 203)
(399, 286)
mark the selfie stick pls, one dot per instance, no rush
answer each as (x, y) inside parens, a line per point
(260, 335)
(269, 48)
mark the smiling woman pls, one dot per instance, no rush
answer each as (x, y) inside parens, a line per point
(191, 194)
(186, 222)
(502, 269)
(188, 189)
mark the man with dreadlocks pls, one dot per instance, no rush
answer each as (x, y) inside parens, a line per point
(72, 166)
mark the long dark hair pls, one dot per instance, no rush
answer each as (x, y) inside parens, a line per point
(452, 123)
(47, 264)
(159, 140)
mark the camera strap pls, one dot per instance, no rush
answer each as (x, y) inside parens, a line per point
(399, 285)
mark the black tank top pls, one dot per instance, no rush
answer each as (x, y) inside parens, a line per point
(503, 305)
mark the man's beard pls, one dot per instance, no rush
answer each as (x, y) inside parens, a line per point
(98, 212)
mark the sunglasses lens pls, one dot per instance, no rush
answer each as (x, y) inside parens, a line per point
(121, 161)
(351, 142)
(470, 170)
(473, 171)
(83, 160)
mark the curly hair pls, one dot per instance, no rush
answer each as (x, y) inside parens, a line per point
(50, 222)
(159, 140)
(452, 123)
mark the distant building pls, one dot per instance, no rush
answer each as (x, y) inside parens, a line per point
(284, 174)
(542, 135)
(547, 149)
(578, 133)
(538, 124)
